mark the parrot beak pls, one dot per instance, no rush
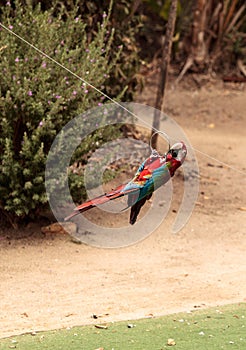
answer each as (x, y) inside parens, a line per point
(178, 151)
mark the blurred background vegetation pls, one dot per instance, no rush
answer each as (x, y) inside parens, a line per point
(108, 44)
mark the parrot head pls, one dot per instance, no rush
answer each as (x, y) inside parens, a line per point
(178, 151)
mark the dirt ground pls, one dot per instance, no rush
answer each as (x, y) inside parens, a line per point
(50, 282)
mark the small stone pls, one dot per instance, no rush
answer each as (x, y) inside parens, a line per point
(171, 342)
(130, 325)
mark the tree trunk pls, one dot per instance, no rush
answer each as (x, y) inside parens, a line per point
(166, 54)
(197, 47)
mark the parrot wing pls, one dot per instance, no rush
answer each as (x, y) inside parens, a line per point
(159, 177)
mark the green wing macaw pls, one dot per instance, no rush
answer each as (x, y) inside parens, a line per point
(154, 172)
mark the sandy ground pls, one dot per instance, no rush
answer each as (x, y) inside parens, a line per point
(49, 281)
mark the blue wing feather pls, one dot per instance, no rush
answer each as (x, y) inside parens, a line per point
(159, 177)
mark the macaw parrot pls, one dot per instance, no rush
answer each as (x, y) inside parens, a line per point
(154, 172)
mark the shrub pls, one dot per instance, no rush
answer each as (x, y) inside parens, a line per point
(126, 22)
(38, 97)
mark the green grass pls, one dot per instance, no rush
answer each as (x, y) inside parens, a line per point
(217, 328)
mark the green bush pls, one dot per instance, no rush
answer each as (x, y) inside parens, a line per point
(126, 22)
(38, 97)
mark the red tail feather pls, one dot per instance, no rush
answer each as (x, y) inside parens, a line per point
(97, 201)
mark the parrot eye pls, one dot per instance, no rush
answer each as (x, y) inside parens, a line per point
(174, 153)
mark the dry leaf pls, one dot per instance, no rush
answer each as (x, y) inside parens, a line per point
(3, 47)
(63, 228)
(101, 326)
(242, 208)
